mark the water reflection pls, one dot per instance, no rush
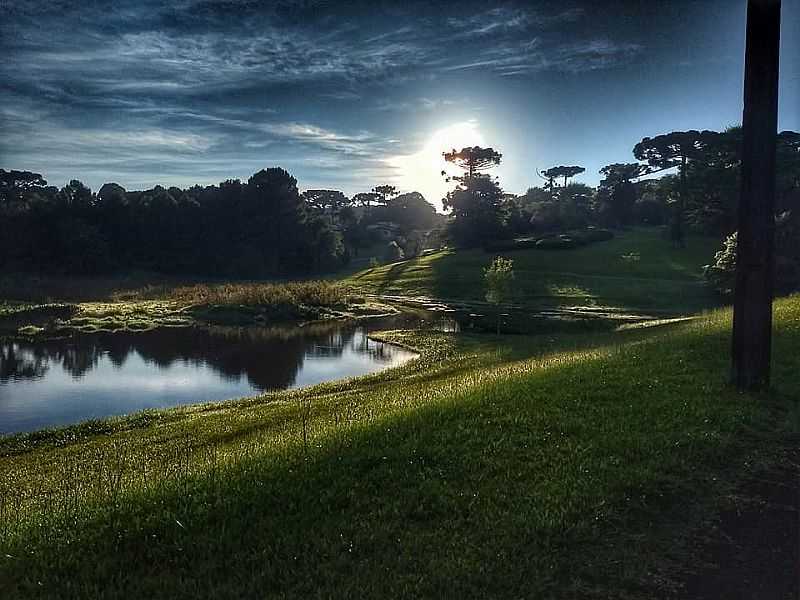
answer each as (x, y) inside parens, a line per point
(55, 382)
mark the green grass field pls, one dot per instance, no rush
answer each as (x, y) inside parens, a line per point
(568, 466)
(636, 272)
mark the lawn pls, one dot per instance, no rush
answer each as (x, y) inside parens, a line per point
(637, 271)
(569, 466)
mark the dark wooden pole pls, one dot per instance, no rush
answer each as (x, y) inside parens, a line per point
(752, 314)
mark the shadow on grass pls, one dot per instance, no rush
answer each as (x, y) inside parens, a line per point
(538, 480)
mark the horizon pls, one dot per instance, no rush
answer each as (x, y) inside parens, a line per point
(350, 98)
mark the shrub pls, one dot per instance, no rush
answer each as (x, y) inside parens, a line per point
(721, 274)
(560, 242)
(592, 234)
(306, 293)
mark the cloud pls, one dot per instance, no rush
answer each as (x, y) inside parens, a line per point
(413, 105)
(169, 87)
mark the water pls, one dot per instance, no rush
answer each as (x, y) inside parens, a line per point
(59, 382)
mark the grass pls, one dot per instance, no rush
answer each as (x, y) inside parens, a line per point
(180, 306)
(511, 466)
(635, 272)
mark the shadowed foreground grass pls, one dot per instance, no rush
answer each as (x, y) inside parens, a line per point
(491, 467)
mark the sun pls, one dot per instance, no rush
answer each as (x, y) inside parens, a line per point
(422, 171)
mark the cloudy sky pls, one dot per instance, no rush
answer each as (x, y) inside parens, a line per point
(348, 95)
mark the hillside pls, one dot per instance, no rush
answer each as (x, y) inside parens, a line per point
(580, 466)
(637, 271)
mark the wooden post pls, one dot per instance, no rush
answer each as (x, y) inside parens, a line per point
(752, 314)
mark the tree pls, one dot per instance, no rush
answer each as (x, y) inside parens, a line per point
(671, 150)
(752, 307)
(476, 203)
(618, 192)
(384, 193)
(14, 185)
(327, 201)
(561, 171)
(473, 160)
(499, 276)
(278, 216)
(411, 211)
(365, 199)
(477, 211)
(75, 196)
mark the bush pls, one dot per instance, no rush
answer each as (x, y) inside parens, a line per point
(510, 245)
(592, 234)
(307, 293)
(721, 274)
(561, 242)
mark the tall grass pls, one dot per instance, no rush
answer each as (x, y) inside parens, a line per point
(307, 293)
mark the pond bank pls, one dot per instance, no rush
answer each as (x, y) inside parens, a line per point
(54, 320)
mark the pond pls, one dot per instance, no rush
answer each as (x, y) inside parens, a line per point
(85, 376)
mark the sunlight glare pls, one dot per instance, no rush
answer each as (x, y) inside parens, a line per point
(422, 171)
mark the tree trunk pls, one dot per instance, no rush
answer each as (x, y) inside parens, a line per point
(680, 233)
(752, 316)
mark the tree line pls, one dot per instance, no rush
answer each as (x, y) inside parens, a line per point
(266, 227)
(699, 195)
(263, 227)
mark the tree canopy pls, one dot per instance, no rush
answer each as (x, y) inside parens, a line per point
(473, 159)
(567, 172)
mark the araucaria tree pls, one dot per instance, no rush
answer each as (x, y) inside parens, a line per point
(473, 160)
(554, 173)
(617, 194)
(476, 203)
(675, 149)
(385, 193)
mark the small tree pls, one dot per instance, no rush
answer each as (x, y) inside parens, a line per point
(499, 277)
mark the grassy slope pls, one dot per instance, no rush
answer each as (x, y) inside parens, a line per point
(498, 467)
(636, 270)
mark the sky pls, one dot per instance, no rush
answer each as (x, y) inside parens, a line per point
(350, 95)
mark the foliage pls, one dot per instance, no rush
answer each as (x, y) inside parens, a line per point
(617, 194)
(310, 293)
(477, 211)
(568, 207)
(675, 149)
(473, 160)
(477, 201)
(499, 276)
(331, 201)
(260, 228)
(554, 173)
(385, 193)
(410, 212)
(721, 274)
